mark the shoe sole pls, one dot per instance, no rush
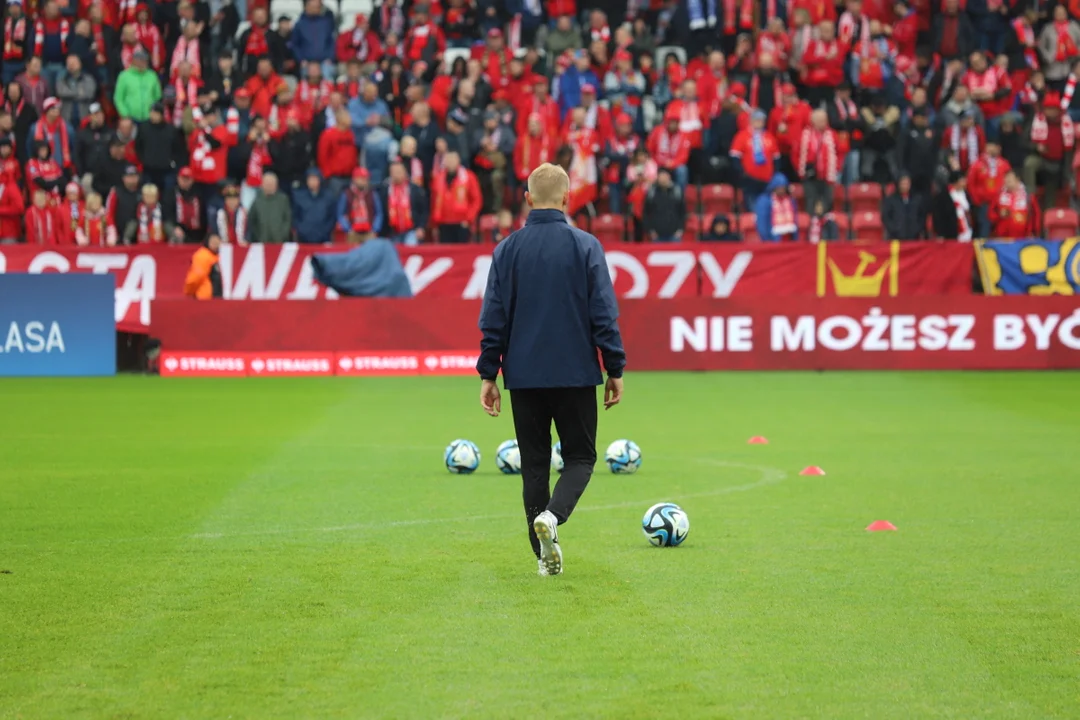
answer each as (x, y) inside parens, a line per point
(550, 552)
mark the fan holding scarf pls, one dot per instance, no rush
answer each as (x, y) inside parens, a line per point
(53, 130)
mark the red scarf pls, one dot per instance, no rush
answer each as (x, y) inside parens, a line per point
(1026, 35)
(416, 171)
(755, 87)
(818, 150)
(314, 97)
(187, 95)
(817, 224)
(127, 54)
(360, 45)
(232, 225)
(61, 26)
(41, 219)
(668, 146)
(91, 230)
(1070, 90)
(391, 20)
(744, 14)
(128, 11)
(188, 211)
(1040, 130)
(47, 170)
(536, 151)
(349, 88)
(151, 224)
(1066, 48)
(15, 39)
(260, 158)
(187, 50)
(359, 212)
(150, 38)
(400, 210)
(256, 43)
(73, 211)
(963, 215)
(970, 142)
(783, 217)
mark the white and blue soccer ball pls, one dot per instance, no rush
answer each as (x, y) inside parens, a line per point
(462, 457)
(623, 457)
(556, 457)
(665, 524)
(508, 458)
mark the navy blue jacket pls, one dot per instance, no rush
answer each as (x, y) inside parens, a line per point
(549, 305)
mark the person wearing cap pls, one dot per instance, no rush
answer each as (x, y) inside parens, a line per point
(160, 148)
(818, 164)
(494, 143)
(918, 151)
(456, 200)
(670, 147)
(137, 89)
(1052, 139)
(231, 219)
(185, 209)
(495, 57)
(76, 90)
(406, 207)
(314, 210)
(624, 86)
(314, 37)
(952, 215)
(362, 44)
(457, 136)
(336, 153)
(56, 133)
(573, 82)
(359, 210)
(756, 153)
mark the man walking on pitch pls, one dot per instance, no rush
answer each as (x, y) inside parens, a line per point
(549, 305)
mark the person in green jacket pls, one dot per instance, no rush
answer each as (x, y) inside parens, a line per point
(270, 216)
(137, 89)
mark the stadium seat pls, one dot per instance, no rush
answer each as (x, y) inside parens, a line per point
(350, 9)
(717, 199)
(1061, 223)
(609, 228)
(797, 192)
(693, 198)
(748, 227)
(803, 222)
(839, 198)
(292, 8)
(695, 226)
(453, 54)
(864, 197)
(843, 225)
(488, 224)
(867, 226)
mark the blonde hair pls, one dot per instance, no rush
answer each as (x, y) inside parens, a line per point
(548, 184)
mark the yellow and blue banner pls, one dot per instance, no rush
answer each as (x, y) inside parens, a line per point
(1030, 267)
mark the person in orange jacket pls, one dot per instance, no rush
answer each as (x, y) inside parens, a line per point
(455, 200)
(203, 280)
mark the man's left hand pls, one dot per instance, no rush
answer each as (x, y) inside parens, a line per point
(490, 398)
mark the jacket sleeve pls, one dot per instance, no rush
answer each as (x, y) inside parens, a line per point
(604, 312)
(420, 206)
(377, 221)
(342, 213)
(493, 323)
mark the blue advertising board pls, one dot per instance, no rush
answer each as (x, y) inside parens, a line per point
(57, 324)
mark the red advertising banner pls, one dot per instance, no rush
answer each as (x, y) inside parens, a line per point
(307, 364)
(973, 332)
(283, 272)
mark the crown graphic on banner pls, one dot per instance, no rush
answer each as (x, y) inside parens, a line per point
(861, 282)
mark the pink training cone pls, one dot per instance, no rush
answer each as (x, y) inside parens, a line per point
(812, 470)
(757, 440)
(879, 525)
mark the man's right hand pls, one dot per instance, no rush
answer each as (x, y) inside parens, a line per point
(612, 392)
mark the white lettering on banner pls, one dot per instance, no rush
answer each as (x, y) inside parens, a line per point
(735, 334)
(1067, 331)
(478, 281)
(420, 277)
(291, 365)
(380, 362)
(962, 326)
(31, 338)
(306, 288)
(1010, 331)
(3, 263)
(49, 260)
(876, 326)
(932, 335)
(214, 364)
(902, 332)
(616, 261)
(785, 337)
(140, 285)
(724, 282)
(101, 263)
(1042, 330)
(681, 262)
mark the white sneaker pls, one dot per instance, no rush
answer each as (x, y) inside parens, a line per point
(546, 528)
(541, 568)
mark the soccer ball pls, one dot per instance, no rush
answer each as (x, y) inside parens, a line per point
(462, 457)
(556, 456)
(623, 457)
(508, 458)
(665, 524)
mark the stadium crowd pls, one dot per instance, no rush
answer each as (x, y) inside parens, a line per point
(152, 122)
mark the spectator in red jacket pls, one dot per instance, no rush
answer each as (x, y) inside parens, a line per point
(819, 164)
(264, 87)
(985, 180)
(495, 58)
(336, 154)
(361, 44)
(1011, 211)
(42, 225)
(787, 120)
(455, 200)
(12, 210)
(824, 63)
(756, 152)
(670, 148)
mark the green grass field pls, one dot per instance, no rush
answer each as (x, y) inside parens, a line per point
(279, 548)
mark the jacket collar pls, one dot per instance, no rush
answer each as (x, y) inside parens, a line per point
(539, 217)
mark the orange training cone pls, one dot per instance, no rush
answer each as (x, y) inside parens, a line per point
(879, 525)
(757, 440)
(812, 470)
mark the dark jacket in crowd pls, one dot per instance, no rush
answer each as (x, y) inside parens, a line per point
(126, 203)
(919, 150)
(665, 210)
(904, 219)
(418, 206)
(270, 219)
(109, 174)
(549, 305)
(92, 148)
(314, 216)
(160, 147)
(425, 143)
(292, 157)
(944, 218)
